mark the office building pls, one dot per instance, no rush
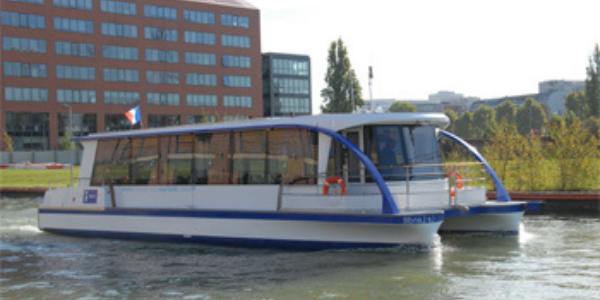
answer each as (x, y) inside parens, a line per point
(180, 61)
(286, 85)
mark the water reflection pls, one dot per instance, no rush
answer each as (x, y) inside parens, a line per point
(553, 258)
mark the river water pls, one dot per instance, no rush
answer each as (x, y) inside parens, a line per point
(553, 258)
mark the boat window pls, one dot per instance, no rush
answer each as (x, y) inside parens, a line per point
(423, 150)
(393, 148)
(292, 156)
(212, 158)
(249, 157)
(143, 161)
(342, 162)
(180, 159)
(106, 165)
(385, 147)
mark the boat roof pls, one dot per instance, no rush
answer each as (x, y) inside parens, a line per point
(335, 122)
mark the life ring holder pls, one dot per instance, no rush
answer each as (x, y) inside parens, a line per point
(337, 180)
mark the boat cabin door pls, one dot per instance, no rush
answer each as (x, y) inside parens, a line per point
(354, 171)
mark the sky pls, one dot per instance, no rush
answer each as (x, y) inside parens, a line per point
(483, 49)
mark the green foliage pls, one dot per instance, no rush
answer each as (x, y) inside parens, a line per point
(36, 178)
(507, 112)
(500, 150)
(576, 154)
(530, 116)
(402, 107)
(463, 125)
(592, 85)
(483, 122)
(453, 117)
(576, 102)
(342, 84)
(65, 142)
(9, 145)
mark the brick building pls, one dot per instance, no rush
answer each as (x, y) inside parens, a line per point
(181, 61)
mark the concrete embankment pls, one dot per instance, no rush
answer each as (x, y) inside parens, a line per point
(560, 202)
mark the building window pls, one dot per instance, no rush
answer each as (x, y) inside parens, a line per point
(198, 16)
(290, 67)
(237, 101)
(289, 105)
(291, 86)
(23, 94)
(40, 2)
(203, 38)
(75, 72)
(233, 61)
(83, 124)
(121, 30)
(201, 79)
(160, 12)
(158, 77)
(23, 45)
(121, 97)
(76, 4)
(118, 7)
(121, 75)
(165, 99)
(235, 21)
(17, 69)
(117, 122)
(23, 20)
(166, 56)
(237, 81)
(160, 34)
(205, 59)
(75, 96)
(74, 49)
(236, 41)
(29, 131)
(119, 52)
(199, 119)
(163, 120)
(201, 100)
(73, 25)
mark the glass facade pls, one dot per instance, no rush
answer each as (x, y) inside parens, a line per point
(75, 4)
(17, 69)
(83, 124)
(206, 59)
(203, 38)
(121, 75)
(235, 41)
(199, 16)
(75, 96)
(73, 25)
(159, 77)
(15, 19)
(164, 99)
(160, 12)
(235, 21)
(121, 97)
(121, 30)
(75, 72)
(201, 79)
(74, 49)
(201, 100)
(118, 7)
(119, 52)
(160, 34)
(286, 85)
(29, 131)
(23, 94)
(167, 56)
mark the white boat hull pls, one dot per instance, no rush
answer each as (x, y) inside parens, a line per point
(489, 217)
(293, 230)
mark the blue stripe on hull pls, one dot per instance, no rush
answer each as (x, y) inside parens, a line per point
(315, 217)
(238, 242)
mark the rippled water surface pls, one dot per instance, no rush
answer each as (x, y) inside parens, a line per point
(553, 258)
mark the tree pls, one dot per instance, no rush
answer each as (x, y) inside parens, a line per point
(463, 125)
(507, 112)
(453, 117)
(342, 85)
(402, 107)
(576, 102)
(484, 120)
(65, 141)
(592, 85)
(8, 141)
(530, 116)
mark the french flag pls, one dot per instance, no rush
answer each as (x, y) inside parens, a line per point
(133, 115)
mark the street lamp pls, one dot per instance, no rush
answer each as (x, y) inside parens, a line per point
(70, 136)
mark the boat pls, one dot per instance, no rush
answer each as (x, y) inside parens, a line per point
(311, 182)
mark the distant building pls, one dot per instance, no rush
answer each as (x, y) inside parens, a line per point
(286, 85)
(551, 93)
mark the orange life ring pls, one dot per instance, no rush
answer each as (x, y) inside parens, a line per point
(337, 180)
(459, 182)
